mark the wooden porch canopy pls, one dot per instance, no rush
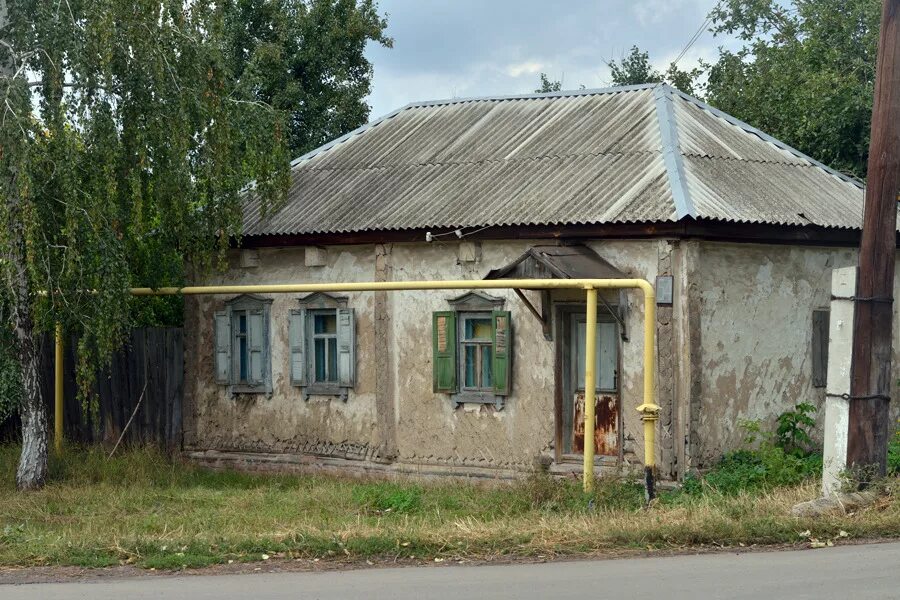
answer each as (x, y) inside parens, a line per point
(559, 262)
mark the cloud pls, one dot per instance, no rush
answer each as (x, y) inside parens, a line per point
(479, 48)
(530, 68)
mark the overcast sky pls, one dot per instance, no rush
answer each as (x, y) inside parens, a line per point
(459, 48)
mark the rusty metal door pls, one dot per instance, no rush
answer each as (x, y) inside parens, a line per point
(606, 425)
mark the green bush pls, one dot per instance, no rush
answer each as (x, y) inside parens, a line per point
(893, 460)
(780, 459)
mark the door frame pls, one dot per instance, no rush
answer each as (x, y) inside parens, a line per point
(562, 314)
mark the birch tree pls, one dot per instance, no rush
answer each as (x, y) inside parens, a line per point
(122, 132)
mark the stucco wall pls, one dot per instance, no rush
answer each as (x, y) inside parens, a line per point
(282, 422)
(427, 429)
(756, 304)
(737, 346)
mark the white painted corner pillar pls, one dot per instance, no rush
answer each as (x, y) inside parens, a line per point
(837, 403)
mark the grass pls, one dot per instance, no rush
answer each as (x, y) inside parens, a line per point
(141, 509)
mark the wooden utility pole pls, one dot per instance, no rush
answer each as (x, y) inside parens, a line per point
(870, 374)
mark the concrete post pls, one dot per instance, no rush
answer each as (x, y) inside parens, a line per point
(837, 400)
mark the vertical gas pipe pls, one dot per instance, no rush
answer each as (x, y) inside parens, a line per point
(649, 409)
(58, 392)
(590, 377)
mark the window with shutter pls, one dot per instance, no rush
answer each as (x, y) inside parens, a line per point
(223, 347)
(242, 345)
(472, 350)
(346, 347)
(323, 346)
(502, 343)
(297, 336)
(444, 350)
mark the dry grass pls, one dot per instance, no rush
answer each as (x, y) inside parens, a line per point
(138, 508)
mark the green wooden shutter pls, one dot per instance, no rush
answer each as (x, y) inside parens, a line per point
(256, 341)
(346, 347)
(223, 347)
(443, 338)
(297, 337)
(502, 337)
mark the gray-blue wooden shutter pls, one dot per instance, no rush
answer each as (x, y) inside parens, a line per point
(346, 347)
(223, 347)
(297, 338)
(256, 335)
(502, 355)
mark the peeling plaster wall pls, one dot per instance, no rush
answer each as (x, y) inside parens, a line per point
(430, 430)
(283, 422)
(740, 349)
(756, 304)
(415, 426)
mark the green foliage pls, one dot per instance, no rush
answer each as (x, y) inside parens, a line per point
(893, 455)
(763, 469)
(548, 85)
(126, 148)
(635, 68)
(768, 460)
(805, 73)
(305, 58)
(10, 376)
(792, 433)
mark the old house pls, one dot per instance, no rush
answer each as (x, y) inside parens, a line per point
(739, 231)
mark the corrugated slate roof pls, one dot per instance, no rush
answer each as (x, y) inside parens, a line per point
(644, 153)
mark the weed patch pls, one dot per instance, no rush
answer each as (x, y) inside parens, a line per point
(139, 508)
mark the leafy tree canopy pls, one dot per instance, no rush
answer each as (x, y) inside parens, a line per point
(123, 137)
(635, 68)
(306, 58)
(805, 73)
(548, 85)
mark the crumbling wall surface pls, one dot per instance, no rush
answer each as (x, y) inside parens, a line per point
(283, 422)
(430, 430)
(393, 415)
(756, 305)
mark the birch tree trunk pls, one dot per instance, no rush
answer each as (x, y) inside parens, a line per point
(32, 471)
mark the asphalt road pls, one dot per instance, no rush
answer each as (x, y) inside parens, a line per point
(858, 572)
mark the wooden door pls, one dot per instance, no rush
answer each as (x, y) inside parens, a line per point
(606, 423)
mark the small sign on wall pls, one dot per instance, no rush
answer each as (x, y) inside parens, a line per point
(664, 284)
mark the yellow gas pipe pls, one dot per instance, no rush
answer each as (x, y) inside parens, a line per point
(649, 410)
(58, 391)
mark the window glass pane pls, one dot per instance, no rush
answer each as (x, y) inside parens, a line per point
(487, 372)
(471, 358)
(242, 322)
(606, 356)
(332, 359)
(242, 354)
(325, 323)
(477, 329)
(605, 359)
(580, 336)
(319, 359)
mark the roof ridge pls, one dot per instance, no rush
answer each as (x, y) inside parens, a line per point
(535, 96)
(671, 151)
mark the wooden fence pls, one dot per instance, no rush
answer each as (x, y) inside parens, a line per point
(147, 375)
